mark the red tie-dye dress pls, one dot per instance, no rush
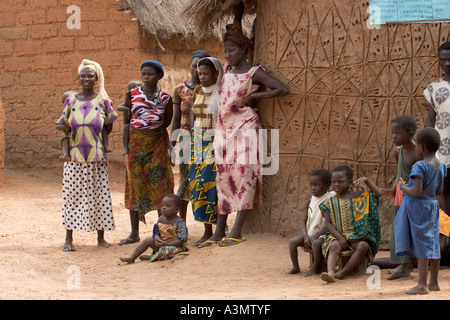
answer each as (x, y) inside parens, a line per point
(236, 145)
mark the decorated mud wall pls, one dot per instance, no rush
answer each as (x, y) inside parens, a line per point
(41, 47)
(348, 80)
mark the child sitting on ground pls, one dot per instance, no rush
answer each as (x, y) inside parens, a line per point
(352, 222)
(169, 234)
(312, 224)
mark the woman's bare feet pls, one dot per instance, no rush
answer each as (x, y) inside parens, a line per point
(294, 270)
(103, 243)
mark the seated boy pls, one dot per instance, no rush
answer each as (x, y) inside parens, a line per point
(312, 223)
(352, 221)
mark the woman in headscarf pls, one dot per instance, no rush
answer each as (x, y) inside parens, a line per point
(86, 195)
(182, 104)
(149, 174)
(239, 182)
(202, 170)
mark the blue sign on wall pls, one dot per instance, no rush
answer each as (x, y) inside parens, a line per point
(386, 11)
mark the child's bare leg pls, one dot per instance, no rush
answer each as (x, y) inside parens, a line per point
(361, 248)
(105, 140)
(126, 138)
(421, 288)
(333, 255)
(65, 149)
(140, 249)
(318, 264)
(433, 285)
(294, 243)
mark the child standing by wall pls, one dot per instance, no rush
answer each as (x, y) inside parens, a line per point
(417, 221)
(312, 224)
(352, 222)
(403, 129)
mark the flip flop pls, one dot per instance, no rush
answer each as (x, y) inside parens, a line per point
(128, 240)
(234, 242)
(207, 243)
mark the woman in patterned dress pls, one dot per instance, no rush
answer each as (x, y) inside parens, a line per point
(86, 195)
(239, 182)
(149, 174)
(182, 104)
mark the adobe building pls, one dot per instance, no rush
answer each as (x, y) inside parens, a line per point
(348, 80)
(41, 47)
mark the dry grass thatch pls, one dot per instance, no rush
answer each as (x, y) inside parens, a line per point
(188, 19)
(208, 13)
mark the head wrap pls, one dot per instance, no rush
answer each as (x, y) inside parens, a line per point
(200, 54)
(99, 71)
(213, 105)
(238, 39)
(153, 64)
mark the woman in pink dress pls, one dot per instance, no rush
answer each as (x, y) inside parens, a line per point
(238, 164)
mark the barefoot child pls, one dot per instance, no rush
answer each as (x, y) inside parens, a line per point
(169, 234)
(352, 223)
(312, 223)
(403, 129)
(417, 221)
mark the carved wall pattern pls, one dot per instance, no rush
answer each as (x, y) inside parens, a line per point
(347, 83)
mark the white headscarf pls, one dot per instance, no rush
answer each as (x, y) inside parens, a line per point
(213, 106)
(99, 71)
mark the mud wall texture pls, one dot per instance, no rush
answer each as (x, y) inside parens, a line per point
(347, 83)
(39, 57)
(2, 142)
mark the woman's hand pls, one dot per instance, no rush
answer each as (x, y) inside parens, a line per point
(248, 101)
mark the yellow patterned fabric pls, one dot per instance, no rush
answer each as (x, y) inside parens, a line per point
(355, 219)
(87, 119)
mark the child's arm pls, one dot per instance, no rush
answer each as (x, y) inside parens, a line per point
(332, 229)
(371, 186)
(304, 222)
(389, 192)
(416, 190)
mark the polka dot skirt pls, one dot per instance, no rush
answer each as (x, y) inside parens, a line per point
(86, 198)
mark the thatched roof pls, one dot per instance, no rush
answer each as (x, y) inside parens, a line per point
(207, 13)
(185, 18)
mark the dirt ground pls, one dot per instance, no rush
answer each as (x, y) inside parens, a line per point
(33, 265)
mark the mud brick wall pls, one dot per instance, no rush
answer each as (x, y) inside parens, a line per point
(39, 57)
(347, 83)
(2, 142)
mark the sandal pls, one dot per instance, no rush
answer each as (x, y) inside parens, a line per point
(233, 242)
(207, 243)
(128, 240)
